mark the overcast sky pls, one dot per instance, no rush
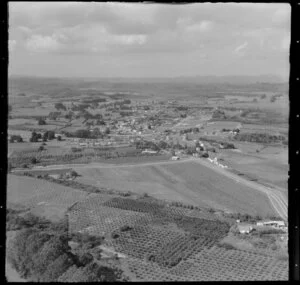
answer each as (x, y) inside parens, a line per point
(148, 40)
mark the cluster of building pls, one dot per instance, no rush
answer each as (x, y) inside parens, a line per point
(245, 228)
(215, 161)
(273, 224)
(96, 142)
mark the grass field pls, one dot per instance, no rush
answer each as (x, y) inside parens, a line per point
(270, 165)
(187, 182)
(44, 198)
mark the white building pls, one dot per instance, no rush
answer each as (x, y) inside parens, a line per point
(244, 228)
(274, 224)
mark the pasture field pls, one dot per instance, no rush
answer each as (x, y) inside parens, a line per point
(45, 198)
(21, 122)
(186, 182)
(35, 111)
(263, 128)
(270, 165)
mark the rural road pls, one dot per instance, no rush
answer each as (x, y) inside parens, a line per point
(275, 195)
(103, 165)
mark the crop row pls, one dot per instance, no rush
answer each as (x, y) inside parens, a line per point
(133, 205)
(180, 249)
(93, 201)
(102, 220)
(218, 263)
(48, 194)
(214, 229)
(147, 271)
(143, 241)
(195, 213)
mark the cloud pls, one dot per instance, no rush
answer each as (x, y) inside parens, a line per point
(203, 26)
(240, 49)
(136, 30)
(129, 39)
(282, 15)
(38, 43)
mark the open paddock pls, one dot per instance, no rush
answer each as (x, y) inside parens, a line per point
(187, 182)
(15, 122)
(34, 111)
(45, 198)
(270, 165)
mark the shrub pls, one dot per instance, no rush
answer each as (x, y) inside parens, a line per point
(41, 122)
(60, 106)
(49, 135)
(16, 138)
(33, 160)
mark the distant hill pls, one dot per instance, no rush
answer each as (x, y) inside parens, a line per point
(209, 79)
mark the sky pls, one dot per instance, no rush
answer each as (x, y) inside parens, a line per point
(111, 39)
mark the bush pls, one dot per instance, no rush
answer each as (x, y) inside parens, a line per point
(41, 122)
(259, 137)
(263, 96)
(73, 173)
(227, 246)
(33, 160)
(16, 138)
(49, 135)
(60, 106)
(85, 258)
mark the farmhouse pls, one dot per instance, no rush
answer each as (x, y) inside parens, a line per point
(274, 224)
(245, 228)
(149, 151)
(175, 158)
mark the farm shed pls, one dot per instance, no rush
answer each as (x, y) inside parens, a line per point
(276, 224)
(245, 228)
(175, 158)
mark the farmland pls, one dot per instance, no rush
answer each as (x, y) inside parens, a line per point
(48, 199)
(143, 184)
(187, 182)
(157, 240)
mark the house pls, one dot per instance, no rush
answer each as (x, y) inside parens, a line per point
(149, 151)
(55, 176)
(244, 228)
(175, 158)
(274, 224)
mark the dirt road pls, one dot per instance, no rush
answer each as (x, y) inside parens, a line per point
(276, 196)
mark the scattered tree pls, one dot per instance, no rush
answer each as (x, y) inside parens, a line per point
(41, 122)
(60, 106)
(16, 138)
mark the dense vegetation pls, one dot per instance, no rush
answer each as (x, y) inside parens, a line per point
(15, 138)
(260, 137)
(40, 252)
